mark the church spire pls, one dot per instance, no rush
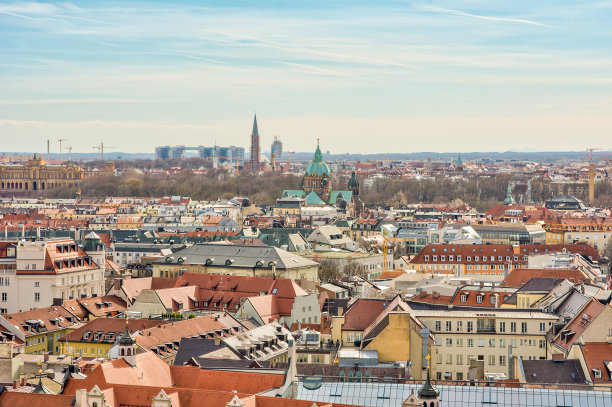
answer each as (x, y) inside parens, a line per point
(318, 157)
(255, 131)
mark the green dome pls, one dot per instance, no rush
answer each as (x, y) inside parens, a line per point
(317, 166)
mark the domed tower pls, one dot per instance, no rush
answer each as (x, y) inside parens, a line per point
(353, 184)
(318, 176)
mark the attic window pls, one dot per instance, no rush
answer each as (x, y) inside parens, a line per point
(229, 262)
(209, 261)
(259, 263)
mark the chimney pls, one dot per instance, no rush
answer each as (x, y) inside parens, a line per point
(217, 340)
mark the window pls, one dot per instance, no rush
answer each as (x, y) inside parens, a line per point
(524, 327)
(470, 326)
(502, 327)
(460, 359)
(464, 297)
(513, 327)
(502, 343)
(542, 343)
(458, 257)
(439, 359)
(449, 341)
(492, 360)
(469, 258)
(491, 342)
(502, 360)
(459, 326)
(459, 342)
(435, 258)
(36, 297)
(426, 257)
(449, 326)
(493, 299)
(542, 326)
(450, 258)
(470, 343)
(459, 375)
(442, 258)
(438, 326)
(449, 359)
(36, 283)
(479, 298)
(481, 342)
(4, 295)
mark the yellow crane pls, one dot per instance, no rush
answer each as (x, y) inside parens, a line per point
(390, 238)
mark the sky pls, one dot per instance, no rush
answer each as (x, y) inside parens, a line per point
(362, 76)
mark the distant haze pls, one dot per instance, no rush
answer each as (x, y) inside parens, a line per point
(363, 76)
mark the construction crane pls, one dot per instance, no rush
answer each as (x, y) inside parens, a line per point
(590, 153)
(598, 157)
(61, 140)
(391, 239)
(101, 148)
(591, 174)
(69, 148)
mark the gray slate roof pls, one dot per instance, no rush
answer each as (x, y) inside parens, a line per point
(238, 256)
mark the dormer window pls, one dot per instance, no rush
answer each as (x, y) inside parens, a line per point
(479, 298)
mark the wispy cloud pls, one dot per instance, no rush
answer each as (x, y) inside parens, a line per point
(449, 11)
(106, 124)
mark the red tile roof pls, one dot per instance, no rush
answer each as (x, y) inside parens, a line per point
(581, 321)
(18, 399)
(432, 298)
(595, 355)
(109, 325)
(48, 319)
(362, 313)
(150, 338)
(518, 277)
(390, 274)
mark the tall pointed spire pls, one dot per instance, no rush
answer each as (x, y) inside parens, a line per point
(253, 164)
(255, 131)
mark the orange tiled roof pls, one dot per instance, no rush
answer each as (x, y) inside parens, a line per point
(574, 329)
(104, 326)
(16, 399)
(518, 277)
(595, 354)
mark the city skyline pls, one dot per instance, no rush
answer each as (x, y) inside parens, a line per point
(414, 76)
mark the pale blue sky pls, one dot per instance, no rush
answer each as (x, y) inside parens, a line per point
(375, 76)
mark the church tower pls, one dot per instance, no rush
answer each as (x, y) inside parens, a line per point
(318, 177)
(254, 164)
(353, 184)
(127, 346)
(427, 395)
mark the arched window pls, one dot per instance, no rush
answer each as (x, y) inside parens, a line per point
(121, 352)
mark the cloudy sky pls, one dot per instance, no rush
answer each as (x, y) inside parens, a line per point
(363, 76)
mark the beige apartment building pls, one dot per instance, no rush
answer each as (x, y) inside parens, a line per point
(484, 335)
(53, 269)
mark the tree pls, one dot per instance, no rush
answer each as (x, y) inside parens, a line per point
(353, 269)
(608, 250)
(328, 270)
